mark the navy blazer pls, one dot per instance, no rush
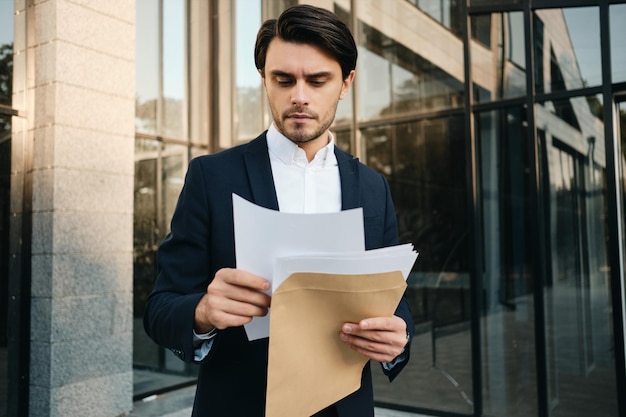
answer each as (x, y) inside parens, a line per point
(232, 378)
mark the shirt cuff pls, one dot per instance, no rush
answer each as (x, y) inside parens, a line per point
(203, 343)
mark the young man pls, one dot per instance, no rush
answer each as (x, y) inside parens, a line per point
(200, 302)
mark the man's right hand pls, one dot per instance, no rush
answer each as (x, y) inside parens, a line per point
(232, 299)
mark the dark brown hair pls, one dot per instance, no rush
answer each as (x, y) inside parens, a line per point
(311, 25)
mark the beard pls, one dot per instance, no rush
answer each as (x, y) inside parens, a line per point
(303, 132)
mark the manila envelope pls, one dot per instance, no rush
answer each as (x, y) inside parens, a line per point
(309, 367)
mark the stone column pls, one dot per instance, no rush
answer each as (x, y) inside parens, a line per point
(80, 61)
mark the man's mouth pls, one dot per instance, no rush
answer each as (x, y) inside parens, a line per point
(299, 116)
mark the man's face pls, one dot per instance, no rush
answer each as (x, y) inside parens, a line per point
(304, 85)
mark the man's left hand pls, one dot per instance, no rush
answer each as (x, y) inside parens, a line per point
(379, 338)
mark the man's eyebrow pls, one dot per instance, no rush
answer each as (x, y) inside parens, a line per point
(321, 74)
(279, 73)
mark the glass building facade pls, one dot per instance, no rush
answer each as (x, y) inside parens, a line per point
(501, 128)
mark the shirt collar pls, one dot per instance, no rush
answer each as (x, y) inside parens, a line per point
(288, 152)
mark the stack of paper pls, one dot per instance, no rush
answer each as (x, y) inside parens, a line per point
(321, 278)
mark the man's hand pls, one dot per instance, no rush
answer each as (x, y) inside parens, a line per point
(378, 338)
(232, 299)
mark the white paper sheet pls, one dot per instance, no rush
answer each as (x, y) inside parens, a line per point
(263, 235)
(394, 258)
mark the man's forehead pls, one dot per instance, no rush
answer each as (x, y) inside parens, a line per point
(304, 58)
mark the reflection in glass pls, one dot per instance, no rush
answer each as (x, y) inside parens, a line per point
(199, 74)
(249, 91)
(617, 17)
(6, 91)
(507, 79)
(147, 66)
(6, 52)
(579, 335)
(174, 26)
(508, 343)
(393, 79)
(621, 138)
(424, 162)
(569, 55)
(342, 140)
(5, 198)
(446, 12)
(146, 238)
(174, 166)
(344, 108)
(159, 171)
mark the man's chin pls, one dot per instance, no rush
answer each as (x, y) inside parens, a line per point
(299, 135)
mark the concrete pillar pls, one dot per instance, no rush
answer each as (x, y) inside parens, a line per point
(80, 61)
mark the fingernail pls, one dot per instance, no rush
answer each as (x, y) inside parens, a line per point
(347, 329)
(364, 324)
(343, 336)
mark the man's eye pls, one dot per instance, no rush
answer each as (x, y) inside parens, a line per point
(284, 82)
(317, 83)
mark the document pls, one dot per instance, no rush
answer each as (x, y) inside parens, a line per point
(322, 277)
(308, 309)
(263, 235)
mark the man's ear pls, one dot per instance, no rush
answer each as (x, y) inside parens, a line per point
(347, 82)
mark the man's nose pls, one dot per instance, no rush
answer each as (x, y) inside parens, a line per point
(299, 94)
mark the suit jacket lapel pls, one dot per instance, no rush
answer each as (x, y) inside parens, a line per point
(259, 170)
(349, 176)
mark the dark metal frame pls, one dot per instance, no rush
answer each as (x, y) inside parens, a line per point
(617, 273)
(609, 93)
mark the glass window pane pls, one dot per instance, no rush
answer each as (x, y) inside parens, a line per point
(174, 51)
(446, 12)
(407, 62)
(5, 198)
(621, 126)
(504, 46)
(248, 91)
(146, 237)
(579, 330)
(6, 52)
(342, 140)
(147, 66)
(617, 17)
(424, 162)
(343, 115)
(199, 73)
(508, 342)
(173, 169)
(568, 55)
(158, 179)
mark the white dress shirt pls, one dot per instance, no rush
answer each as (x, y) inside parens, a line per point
(303, 186)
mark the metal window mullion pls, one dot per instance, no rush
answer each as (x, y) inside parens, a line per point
(536, 216)
(474, 208)
(614, 210)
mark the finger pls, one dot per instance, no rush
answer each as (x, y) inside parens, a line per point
(229, 313)
(391, 323)
(381, 352)
(223, 320)
(220, 294)
(243, 278)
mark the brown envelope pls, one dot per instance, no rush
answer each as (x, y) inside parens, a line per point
(309, 366)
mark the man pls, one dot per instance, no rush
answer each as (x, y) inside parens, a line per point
(200, 302)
